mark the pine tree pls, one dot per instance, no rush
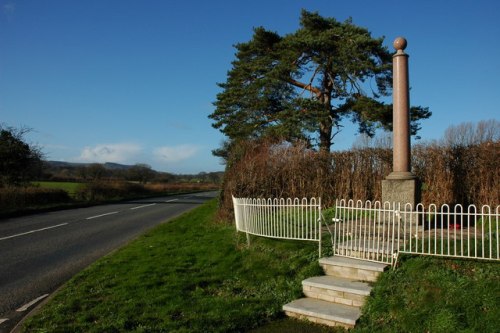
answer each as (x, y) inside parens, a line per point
(300, 86)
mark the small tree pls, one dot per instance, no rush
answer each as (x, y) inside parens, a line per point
(96, 171)
(20, 162)
(470, 134)
(141, 172)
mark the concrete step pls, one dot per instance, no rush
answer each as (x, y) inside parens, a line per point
(336, 290)
(349, 268)
(323, 312)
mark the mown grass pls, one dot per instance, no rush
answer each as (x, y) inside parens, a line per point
(189, 275)
(70, 187)
(193, 275)
(427, 294)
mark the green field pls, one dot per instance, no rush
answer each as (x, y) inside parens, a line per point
(70, 187)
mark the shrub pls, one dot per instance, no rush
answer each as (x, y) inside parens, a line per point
(108, 190)
(449, 174)
(18, 198)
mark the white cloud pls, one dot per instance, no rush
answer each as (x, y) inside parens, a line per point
(115, 152)
(173, 154)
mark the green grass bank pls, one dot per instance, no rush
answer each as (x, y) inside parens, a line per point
(188, 275)
(194, 275)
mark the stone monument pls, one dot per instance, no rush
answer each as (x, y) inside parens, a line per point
(401, 185)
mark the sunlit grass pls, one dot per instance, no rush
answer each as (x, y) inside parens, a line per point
(435, 295)
(189, 275)
(194, 275)
(70, 187)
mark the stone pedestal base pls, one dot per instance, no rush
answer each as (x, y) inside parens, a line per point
(401, 191)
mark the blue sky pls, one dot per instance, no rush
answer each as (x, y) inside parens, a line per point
(134, 81)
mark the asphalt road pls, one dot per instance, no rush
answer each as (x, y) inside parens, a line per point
(38, 253)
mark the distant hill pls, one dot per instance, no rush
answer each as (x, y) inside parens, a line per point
(107, 165)
(71, 171)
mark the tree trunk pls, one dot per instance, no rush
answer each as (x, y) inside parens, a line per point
(325, 134)
(326, 124)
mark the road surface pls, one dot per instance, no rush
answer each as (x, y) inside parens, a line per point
(38, 253)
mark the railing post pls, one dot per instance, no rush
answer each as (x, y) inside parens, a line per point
(245, 215)
(319, 226)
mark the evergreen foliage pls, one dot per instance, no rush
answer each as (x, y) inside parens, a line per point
(300, 86)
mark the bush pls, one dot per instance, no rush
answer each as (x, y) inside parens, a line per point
(108, 190)
(449, 174)
(458, 174)
(264, 169)
(180, 187)
(18, 198)
(112, 190)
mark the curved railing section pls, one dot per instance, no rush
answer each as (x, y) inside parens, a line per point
(380, 231)
(298, 219)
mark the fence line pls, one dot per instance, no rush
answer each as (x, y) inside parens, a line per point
(379, 232)
(375, 231)
(298, 219)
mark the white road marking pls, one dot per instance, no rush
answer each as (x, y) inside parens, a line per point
(94, 217)
(3, 320)
(143, 206)
(171, 200)
(33, 231)
(28, 305)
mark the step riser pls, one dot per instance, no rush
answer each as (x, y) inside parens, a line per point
(334, 296)
(317, 320)
(363, 254)
(351, 273)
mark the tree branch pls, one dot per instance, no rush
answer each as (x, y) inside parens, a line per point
(308, 87)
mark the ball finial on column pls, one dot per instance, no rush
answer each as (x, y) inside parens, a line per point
(400, 43)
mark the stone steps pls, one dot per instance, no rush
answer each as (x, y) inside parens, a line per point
(356, 269)
(336, 298)
(323, 312)
(336, 290)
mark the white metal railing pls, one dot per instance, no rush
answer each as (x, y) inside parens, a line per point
(298, 219)
(365, 230)
(379, 232)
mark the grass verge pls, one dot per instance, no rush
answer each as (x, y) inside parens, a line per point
(189, 275)
(428, 294)
(192, 275)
